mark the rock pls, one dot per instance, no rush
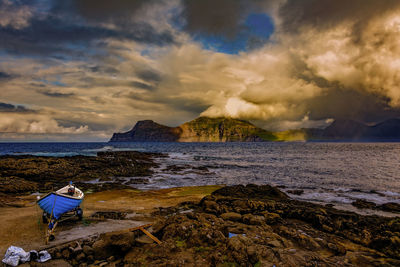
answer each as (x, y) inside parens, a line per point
(65, 254)
(88, 250)
(231, 216)
(99, 248)
(90, 258)
(15, 185)
(280, 232)
(271, 217)
(274, 243)
(392, 207)
(57, 255)
(237, 246)
(80, 257)
(26, 173)
(337, 248)
(297, 192)
(210, 206)
(363, 204)
(114, 243)
(144, 239)
(253, 219)
(253, 191)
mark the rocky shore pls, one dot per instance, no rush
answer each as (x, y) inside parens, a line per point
(246, 226)
(26, 173)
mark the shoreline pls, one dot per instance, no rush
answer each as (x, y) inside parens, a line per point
(110, 170)
(261, 219)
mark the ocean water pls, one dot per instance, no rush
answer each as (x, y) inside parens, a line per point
(328, 172)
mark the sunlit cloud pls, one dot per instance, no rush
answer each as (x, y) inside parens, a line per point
(90, 68)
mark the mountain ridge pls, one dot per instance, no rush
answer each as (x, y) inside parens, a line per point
(202, 129)
(205, 129)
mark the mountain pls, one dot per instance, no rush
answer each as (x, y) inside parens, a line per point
(345, 129)
(202, 129)
(206, 129)
(352, 130)
(148, 131)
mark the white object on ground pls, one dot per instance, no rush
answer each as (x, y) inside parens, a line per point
(43, 256)
(15, 255)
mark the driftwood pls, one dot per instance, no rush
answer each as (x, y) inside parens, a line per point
(142, 228)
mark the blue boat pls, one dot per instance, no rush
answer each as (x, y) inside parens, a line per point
(57, 203)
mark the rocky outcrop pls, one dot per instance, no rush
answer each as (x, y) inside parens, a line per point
(206, 129)
(246, 226)
(24, 174)
(148, 131)
(202, 129)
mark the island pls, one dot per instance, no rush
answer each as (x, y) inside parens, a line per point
(205, 129)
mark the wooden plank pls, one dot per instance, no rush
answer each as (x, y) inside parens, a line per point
(138, 227)
(150, 235)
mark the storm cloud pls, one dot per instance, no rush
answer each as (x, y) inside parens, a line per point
(90, 68)
(5, 107)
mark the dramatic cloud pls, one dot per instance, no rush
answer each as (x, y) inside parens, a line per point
(88, 68)
(17, 123)
(55, 94)
(5, 107)
(14, 15)
(4, 76)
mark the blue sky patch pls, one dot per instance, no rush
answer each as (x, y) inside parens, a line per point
(253, 33)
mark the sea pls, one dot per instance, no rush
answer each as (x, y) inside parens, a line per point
(326, 172)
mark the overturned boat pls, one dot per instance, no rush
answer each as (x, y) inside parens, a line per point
(58, 204)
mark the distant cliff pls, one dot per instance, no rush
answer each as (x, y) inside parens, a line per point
(352, 130)
(148, 131)
(346, 130)
(202, 129)
(206, 129)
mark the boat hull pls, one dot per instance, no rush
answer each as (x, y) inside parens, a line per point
(57, 204)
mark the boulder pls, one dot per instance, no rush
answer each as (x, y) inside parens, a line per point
(253, 219)
(251, 191)
(363, 204)
(231, 216)
(391, 207)
(111, 244)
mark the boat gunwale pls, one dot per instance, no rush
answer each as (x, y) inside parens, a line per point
(61, 195)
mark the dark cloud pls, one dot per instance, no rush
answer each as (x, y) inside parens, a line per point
(222, 17)
(103, 69)
(192, 106)
(327, 13)
(4, 76)
(351, 104)
(149, 75)
(214, 17)
(5, 107)
(117, 11)
(55, 94)
(142, 86)
(53, 34)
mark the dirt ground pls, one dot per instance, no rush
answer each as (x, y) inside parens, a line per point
(20, 224)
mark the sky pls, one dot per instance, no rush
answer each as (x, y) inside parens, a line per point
(79, 70)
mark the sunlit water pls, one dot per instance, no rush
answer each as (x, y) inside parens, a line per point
(327, 172)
